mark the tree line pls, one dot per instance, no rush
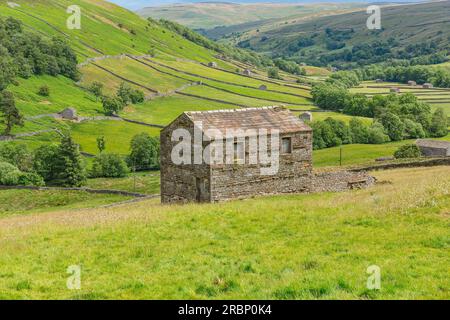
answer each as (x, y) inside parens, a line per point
(63, 165)
(23, 54)
(395, 117)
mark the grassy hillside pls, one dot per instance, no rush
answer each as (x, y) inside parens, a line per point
(281, 247)
(407, 31)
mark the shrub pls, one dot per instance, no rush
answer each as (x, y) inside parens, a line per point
(11, 176)
(273, 73)
(31, 179)
(17, 155)
(112, 105)
(109, 166)
(407, 151)
(137, 96)
(44, 91)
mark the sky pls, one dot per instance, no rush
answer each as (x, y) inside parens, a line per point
(138, 4)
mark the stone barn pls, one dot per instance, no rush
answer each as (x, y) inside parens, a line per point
(69, 114)
(306, 116)
(427, 86)
(412, 83)
(247, 72)
(212, 65)
(379, 81)
(197, 180)
(434, 148)
(263, 87)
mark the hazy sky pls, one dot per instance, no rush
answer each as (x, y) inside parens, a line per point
(138, 4)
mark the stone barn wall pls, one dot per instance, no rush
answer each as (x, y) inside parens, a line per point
(179, 182)
(341, 181)
(434, 152)
(242, 181)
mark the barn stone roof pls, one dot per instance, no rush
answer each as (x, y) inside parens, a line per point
(433, 144)
(269, 118)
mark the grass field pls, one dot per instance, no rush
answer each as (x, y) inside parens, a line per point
(437, 98)
(33, 201)
(279, 247)
(118, 135)
(140, 182)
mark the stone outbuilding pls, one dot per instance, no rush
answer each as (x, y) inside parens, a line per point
(69, 114)
(379, 81)
(197, 180)
(395, 90)
(434, 148)
(212, 65)
(263, 87)
(306, 116)
(412, 83)
(427, 86)
(247, 72)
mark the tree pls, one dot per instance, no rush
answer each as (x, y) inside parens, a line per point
(144, 152)
(10, 175)
(273, 73)
(101, 144)
(9, 114)
(377, 134)
(97, 89)
(109, 166)
(359, 131)
(68, 168)
(407, 151)
(112, 105)
(44, 161)
(137, 96)
(393, 125)
(16, 154)
(439, 123)
(44, 91)
(124, 93)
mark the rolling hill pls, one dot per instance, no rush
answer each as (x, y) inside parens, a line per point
(209, 15)
(408, 31)
(114, 46)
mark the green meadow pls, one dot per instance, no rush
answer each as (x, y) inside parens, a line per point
(280, 247)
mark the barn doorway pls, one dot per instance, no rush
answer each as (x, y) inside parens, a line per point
(201, 189)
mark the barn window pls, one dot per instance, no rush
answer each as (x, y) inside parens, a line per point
(286, 145)
(239, 154)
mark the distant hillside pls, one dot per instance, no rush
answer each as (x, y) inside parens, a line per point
(209, 15)
(408, 31)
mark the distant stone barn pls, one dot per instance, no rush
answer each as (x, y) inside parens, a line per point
(434, 148)
(206, 181)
